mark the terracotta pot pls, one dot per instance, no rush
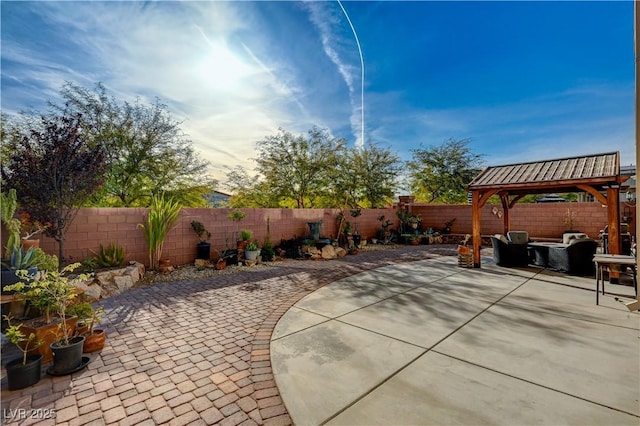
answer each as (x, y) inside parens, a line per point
(220, 264)
(26, 244)
(94, 342)
(464, 250)
(164, 262)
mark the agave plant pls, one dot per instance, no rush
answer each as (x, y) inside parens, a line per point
(163, 214)
(22, 259)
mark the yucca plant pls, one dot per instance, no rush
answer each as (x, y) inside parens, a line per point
(163, 214)
(8, 206)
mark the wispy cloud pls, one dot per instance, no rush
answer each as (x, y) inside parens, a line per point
(342, 51)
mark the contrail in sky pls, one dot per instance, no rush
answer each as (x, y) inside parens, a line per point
(361, 145)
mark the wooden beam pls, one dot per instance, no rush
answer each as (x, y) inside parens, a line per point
(484, 197)
(597, 194)
(476, 211)
(515, 200)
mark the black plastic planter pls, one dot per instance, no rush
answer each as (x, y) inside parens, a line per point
(67, 358)
(22, 376)
(204, 251)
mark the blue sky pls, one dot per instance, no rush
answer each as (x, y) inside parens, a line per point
(523, 80)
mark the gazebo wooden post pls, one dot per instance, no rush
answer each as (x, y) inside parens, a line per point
(613, 219)
(613, 222)
(504, 198)
(476, 210)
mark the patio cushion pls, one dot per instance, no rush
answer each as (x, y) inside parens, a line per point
(518, 237)
(570, 237)
(501, 238)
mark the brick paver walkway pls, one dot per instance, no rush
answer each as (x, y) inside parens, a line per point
(194, 352)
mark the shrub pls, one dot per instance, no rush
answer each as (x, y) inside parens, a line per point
(245, 235)
(46, 262)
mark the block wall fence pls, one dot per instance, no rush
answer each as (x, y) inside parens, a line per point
(95, 226)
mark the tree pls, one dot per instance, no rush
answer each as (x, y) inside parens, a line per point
(148, 152)
(378, 170)
(296, 168)
(54, 171)
(441, 173)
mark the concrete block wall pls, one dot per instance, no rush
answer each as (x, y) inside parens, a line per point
(95, 226)
(545, 220)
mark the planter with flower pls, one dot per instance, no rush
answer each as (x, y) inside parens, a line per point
(465, 258)
(52, 292)
(30, 228)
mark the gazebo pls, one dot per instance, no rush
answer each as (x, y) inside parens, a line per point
(597, 174)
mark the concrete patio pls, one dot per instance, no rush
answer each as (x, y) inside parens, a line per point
(428, 342)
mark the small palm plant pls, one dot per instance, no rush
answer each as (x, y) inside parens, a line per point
(163, 214)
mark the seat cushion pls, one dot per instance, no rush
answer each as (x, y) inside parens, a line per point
(501, 238)
(518, 237)
(570, 237)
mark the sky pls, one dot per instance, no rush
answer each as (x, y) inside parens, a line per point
(523, 81)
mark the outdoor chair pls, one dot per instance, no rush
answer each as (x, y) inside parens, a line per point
(575, 258)
(507, 253)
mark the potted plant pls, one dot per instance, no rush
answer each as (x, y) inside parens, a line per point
(252, 251)
(20, 259)
(384, 234)
(53, 291)
(570, 221)
(448, 225)
(24, 371)
(31, 228)
(95, 338)
(162, 217)
(204, 247)
(244, 238)
(83, 311)
(236, 216)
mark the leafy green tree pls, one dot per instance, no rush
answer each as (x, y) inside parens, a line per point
(378, 169)
(296, 167)
(54, 171)
(441, 173)
(147, 151)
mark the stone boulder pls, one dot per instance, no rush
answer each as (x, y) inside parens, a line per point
(329, 252)
(109, 283)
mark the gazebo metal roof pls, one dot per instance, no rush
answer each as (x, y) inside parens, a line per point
(560, 175)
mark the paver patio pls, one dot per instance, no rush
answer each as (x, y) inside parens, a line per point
(191, 352)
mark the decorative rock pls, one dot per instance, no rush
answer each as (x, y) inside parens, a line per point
(124, 282)
(340, 252)
(328, 252)
(201, 263)
(92, 293)
(109, 283)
